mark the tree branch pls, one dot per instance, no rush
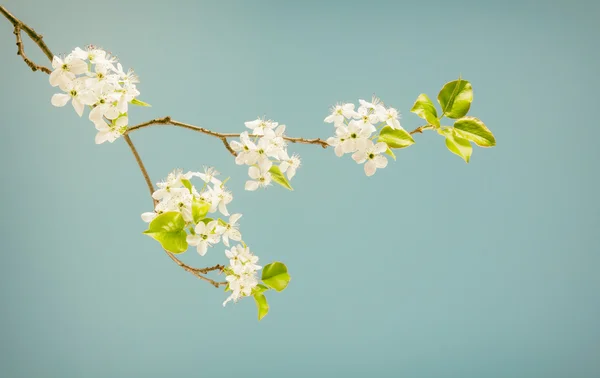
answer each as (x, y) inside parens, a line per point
(35, 37)
(195, 271)
(223, 136)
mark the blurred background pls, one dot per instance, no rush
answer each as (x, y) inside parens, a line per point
(430, 268)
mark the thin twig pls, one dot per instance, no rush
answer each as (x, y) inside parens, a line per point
(223, 136)
(165, 121)
(141, 165)
(21, 51)
(35, 37)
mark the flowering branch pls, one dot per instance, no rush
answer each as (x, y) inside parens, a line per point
(195, 271)
(183, 215)
(223, 136)
(37, 38)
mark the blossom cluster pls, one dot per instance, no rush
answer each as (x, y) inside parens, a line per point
(355, 131)
(177, 194)
(265, 151)
(241, 273)
(94, 78)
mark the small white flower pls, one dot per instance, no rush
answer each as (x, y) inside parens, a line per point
(260, 175)
(231, 230)
(289, 165)
(65, 70)
(110, 132)
(77, 93)
(209, 176)
(367, 119)
(246, 150)
(390, 116)
(372, 155)
(219, 197)
(205, 236)
(375, 105)
(355, 136)
(340, 113)
(259, 126)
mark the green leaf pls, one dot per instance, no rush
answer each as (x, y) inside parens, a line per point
(390, 153)
(455, 98)
(168, 229)
(137, 102)
(199, 209)
(279, 178)
(275, 276)
(457, 145)
(425, 109)
(261, 305)
(395, 138)
(474, 130)
(187, 184)
(259, 289)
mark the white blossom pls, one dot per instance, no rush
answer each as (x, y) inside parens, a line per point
(289, 165)
(259, 126)
(372, 155)
(260, 175)
(206, 235)
(90, 77)
(242, 273)
(340, 113)
(231, 229)
(390, 116)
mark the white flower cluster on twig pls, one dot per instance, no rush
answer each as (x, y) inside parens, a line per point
(94, 78)
(355, 131)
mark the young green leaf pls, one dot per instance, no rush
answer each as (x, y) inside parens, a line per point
(275, 276)
(455, 98)
(199, 209)
(259, 289)
(137, 102)
(474, 130)
(261, 305)
(187, 184)
(390, 153)
(395, 138)
(457, 145)
(168, 229)
(425, 109)
(279, 178)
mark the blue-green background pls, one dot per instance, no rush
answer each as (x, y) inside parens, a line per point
(430, 268)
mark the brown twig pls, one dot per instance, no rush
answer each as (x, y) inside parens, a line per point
(21, 51)
(35, 37)
(223, 136)
(165, 121)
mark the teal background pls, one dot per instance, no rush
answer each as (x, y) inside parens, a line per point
(430, 268)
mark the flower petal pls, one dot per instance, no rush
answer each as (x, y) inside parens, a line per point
(251, 185)
(60, 99)
(370, 168)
